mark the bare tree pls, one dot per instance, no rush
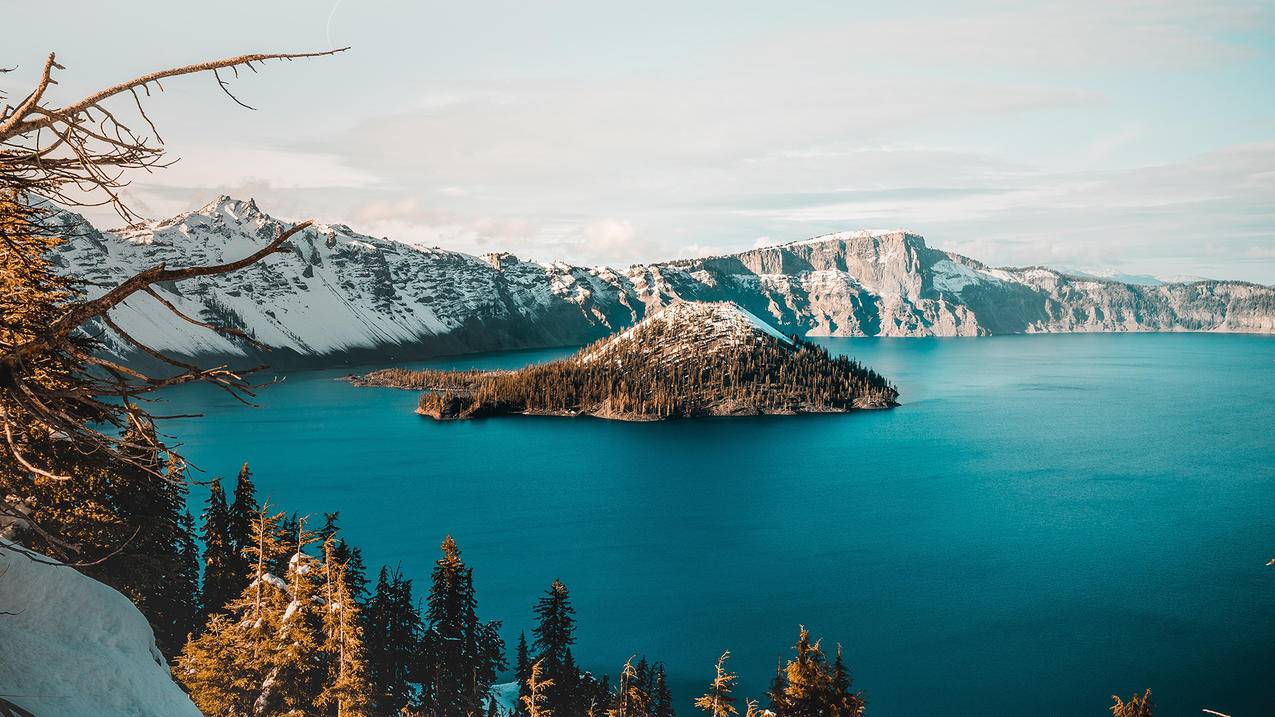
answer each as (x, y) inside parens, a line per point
(56, 389)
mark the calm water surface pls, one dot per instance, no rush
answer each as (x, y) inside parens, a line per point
(1046, 521)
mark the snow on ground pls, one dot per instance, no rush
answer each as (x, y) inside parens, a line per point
(953, 276)
(845, 236)
(690, 327)
(73, 647)
(506, 696)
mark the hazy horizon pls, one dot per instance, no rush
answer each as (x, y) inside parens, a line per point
(1130, 135)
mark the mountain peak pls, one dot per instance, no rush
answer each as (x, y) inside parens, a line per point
(685, 328)
(226, 204)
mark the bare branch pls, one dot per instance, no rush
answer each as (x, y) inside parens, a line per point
(97, 97)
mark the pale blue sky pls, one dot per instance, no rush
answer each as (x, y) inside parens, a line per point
(1134, 135)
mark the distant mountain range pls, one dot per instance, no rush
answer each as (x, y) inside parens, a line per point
(1110, 274)
(342, 297)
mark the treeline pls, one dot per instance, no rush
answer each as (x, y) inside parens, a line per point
(295, 627)
(624, 378)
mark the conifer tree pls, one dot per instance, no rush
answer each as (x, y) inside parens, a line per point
(534, 704)
(596, 694)
(188, 592)
(219, 561)
(240, 514)
(845, 702)
(522, 668)
(808, 681)
(297, 674)
(460, 656)
(661, 698)
(347, 691)
(286, 533)
(1137, 706)
(230, 668)
(348, 555)
(808, 687)
(393, 635)
(631, 700)
(778, 692)
(643, 675)
(554, 634)
(718, 700)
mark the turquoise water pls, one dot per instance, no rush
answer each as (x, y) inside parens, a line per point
(1046, 521)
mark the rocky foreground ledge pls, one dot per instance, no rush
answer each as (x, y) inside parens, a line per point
(689, 359)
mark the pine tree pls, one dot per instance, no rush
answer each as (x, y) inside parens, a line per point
(286, 533)
(348, 555)
(644, 677)
(393, 634)
(662, 698)
(219, 559)
(188, 592)
(1137, 706)
(845, 702)
(778, 692)
(229, 669)
(596, 694)
(347, 691)
(240, 514)
(554, 634)
(808, 680)
(808, 687)
(297, 674)
(534, 704)
(461, 656)
(522, 668)
(718, 700)
(631, 700)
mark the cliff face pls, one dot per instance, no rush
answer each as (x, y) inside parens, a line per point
(342, 296)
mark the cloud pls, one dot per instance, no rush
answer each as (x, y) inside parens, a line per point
(610, 240)
(1089, 131)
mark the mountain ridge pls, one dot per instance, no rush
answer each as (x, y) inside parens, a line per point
(341, 296)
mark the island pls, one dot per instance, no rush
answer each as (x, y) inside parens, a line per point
(684, 360)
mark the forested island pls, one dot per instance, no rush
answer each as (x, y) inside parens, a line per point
(688, 359)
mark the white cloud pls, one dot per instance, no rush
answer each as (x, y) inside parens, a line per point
(1090, 129)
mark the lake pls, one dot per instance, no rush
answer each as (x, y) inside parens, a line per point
(1045, 521)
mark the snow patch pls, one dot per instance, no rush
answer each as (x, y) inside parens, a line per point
(73, 647)
(952, 276)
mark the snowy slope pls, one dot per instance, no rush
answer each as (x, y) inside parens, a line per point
(336, 291)
(73, 647)
(687, 329)
(341, 295)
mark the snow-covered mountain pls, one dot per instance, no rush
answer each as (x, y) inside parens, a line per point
(342, 296)
(73, 647)
(688, 329)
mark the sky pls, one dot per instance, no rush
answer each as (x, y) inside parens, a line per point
(1123, 134)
